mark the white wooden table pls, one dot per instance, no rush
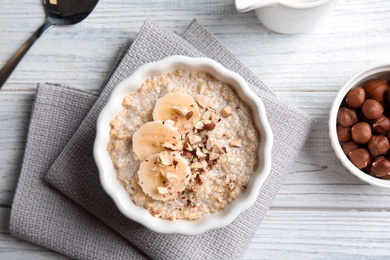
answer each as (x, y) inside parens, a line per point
(322, 211)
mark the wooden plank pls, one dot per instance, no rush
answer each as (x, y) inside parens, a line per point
(308, 234)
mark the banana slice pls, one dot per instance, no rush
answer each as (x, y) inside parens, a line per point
(178, 107)
(162, 176)
(154, 137)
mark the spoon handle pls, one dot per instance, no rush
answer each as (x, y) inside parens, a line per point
(9, 67)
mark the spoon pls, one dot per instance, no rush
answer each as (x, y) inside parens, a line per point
(58, 12)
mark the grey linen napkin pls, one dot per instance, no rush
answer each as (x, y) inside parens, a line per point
(74, 172)
(40, 213)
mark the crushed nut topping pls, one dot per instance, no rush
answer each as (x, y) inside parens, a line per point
(226, 112)
(195, 139)
(181, 110)
(164, 158)
(203, 101)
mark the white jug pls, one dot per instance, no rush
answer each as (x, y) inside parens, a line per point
(288, 16)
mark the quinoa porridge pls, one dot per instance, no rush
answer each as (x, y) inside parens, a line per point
(184, 145)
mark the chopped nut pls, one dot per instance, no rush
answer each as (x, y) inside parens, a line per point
(213, 156)
(195, 139)
(199, 153)
(187, 146)
(171, 177)
(226, 112)
(196, 165)
(219, 147)
(162, 190)
(164, 158)
(181, 110)
(209, 127)
(203, 101)
(169, 146)
(189, 114)
(199, 125)
(235, 143)
(219, 199)
(209, 143)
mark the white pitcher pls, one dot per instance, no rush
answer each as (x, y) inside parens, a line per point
(288, 16)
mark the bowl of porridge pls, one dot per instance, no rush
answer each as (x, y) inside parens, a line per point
(183, 146)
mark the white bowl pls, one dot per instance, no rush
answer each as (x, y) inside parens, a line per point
(117, 192)
(288, 16)
(376, 71)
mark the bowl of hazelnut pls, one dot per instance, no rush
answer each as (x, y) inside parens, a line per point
(359, 125)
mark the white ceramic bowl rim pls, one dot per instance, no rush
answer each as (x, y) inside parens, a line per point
(361, 76)
(255, 4)
(118, 193)
(307, 5)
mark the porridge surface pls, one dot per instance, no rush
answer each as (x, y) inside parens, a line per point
(218, 182)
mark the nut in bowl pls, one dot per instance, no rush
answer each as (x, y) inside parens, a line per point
(359, 125)
(183, 146)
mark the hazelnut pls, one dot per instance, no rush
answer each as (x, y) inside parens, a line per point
(378, 145)
(380, 167)
(347, 117)
(372, 109)
(361, 132)
(360, 157)
(376, 89)
(355, 97)
(349, 146)
(381, 124)
(343, 133)
(209, 127)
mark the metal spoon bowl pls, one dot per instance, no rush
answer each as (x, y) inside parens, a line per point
(58, 12)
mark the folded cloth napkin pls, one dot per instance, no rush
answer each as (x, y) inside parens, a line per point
(74, 172)
(40, 213)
